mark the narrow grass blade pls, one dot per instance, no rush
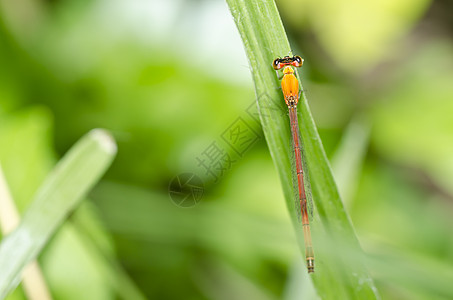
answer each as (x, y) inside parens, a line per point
(62, 190)
(33, 282)
(340, 272)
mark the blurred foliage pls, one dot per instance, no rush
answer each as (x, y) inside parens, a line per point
(168, 78)
(60, 193)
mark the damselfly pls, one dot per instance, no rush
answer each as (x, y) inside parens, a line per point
(290, 88)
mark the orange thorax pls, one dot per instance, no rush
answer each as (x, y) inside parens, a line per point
(290, 86)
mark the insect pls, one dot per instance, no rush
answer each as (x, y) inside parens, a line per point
(290, 89)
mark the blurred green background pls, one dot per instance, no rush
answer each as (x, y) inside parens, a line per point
(169, 79)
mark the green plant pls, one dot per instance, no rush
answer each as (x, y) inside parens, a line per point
(62, 190)
(340, 272)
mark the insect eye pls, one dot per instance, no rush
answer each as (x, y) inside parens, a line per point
(276, 64)
(298, 61)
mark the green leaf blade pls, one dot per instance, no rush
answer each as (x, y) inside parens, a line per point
(340, 272)
(62, 190)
